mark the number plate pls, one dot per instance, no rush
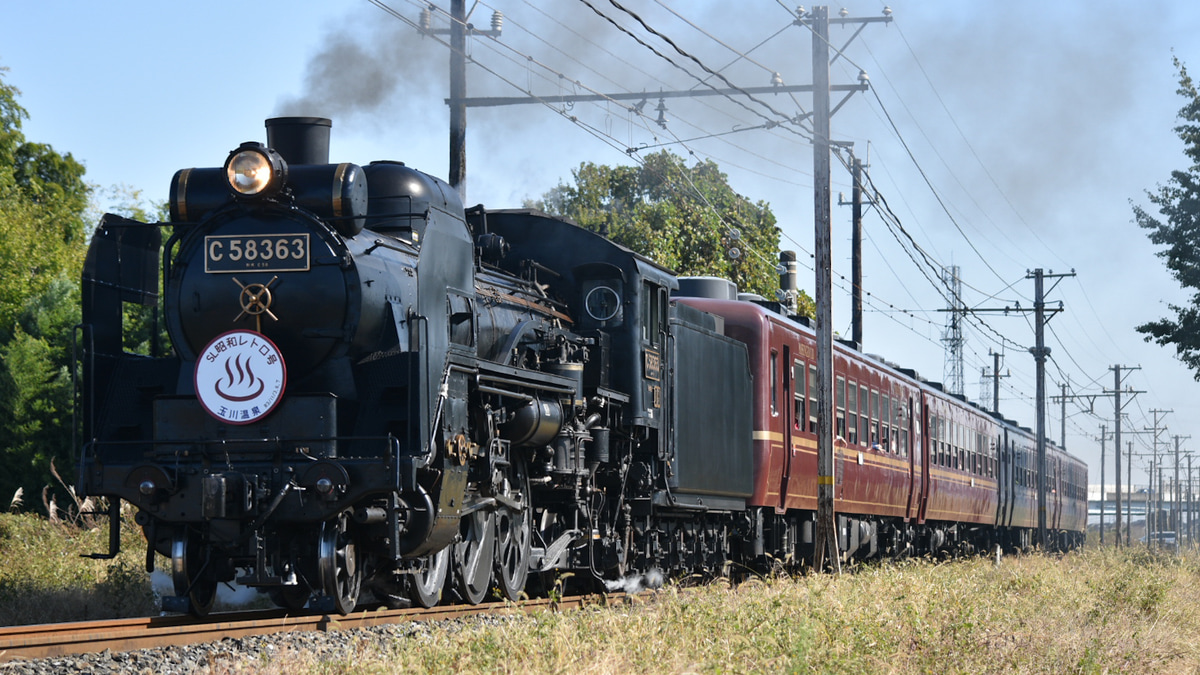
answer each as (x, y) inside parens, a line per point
(256, 253)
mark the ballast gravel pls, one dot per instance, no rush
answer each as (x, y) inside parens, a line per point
(233, 655)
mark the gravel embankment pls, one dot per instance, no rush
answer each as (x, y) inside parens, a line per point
(238, 654)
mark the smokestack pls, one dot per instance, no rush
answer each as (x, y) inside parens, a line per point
(300, 140)
(789, 281)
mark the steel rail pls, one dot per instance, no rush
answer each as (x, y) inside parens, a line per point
(60, 639)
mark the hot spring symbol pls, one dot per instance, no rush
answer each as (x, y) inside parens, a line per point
(240, 377)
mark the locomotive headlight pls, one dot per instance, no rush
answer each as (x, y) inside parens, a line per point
(254, 170)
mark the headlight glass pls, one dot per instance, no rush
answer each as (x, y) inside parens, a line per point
(248, 172)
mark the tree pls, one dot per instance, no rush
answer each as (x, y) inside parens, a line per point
(686, 218)
(43, 202)
(1178, 202)
(43, 232)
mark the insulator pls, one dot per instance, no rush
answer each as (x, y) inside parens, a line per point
(734, 253)
(844, 13)
(497, 22)
(426, 20)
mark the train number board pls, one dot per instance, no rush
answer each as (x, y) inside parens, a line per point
(256, 253)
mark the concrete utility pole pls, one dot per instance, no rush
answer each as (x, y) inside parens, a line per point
(1117, 407)
(1176, 511)
(1129, 502)
(1103, 492)
(1040, 351)
(995, 377)
(1155, 495)
(1191, 508)
(856, 310)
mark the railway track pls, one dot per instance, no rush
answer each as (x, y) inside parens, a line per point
(60, 639)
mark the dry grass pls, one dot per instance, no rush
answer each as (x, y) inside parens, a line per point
(43, 578)
(1099, 611)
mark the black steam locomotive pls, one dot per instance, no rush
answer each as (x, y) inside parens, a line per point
(369, 388)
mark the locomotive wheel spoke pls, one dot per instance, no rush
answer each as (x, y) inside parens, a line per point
(425, 587)
(191, 574)
(341, 573)
(514, 534)
(473, 557)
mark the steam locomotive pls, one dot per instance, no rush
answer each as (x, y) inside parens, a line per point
(370, 390)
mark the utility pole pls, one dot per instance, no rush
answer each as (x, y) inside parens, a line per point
(1191, 510)
(1103, 491)
(825, 535)
(1129, 502)
(995, 377)
(856, 310)
(1040, 351)
(856, 235)
(1176, 511)
(1117, 407)
(825, 541)
(458, 92)
(458, 31)
(1155, 496)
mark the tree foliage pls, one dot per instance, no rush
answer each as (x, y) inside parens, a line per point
(1178, 231)
(43, 232)
(687, 218)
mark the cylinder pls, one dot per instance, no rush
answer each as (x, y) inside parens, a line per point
(789, 278)
(300, 140)
(534, 424)
(598, 450)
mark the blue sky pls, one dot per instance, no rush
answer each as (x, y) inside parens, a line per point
(1036, 124)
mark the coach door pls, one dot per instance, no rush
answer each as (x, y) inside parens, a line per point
(785, 408)
(916, 463)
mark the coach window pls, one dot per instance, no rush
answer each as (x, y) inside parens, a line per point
(895, 404)
(885, 416)
(852, 411)
(798, 396)
(774, 383)
(952, 443)
(931, 438)
(864, 416)
(874, 419)
(943, 452)
(812, 399)
(960, 453)
(840, 390)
